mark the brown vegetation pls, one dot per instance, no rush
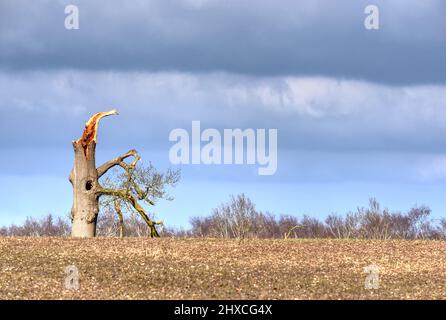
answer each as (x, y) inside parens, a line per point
(166, 268)
(239, 219)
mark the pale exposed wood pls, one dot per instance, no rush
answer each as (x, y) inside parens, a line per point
(91, 129)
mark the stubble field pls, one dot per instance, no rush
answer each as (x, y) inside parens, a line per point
(134, 268)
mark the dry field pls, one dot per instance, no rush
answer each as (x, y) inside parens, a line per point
(34, 268)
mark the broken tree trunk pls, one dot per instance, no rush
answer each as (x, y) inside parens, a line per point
(85, 199)
(86, 188)
(84, 178)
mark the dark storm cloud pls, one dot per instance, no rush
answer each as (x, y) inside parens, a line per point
(316, 114)
(263, 38)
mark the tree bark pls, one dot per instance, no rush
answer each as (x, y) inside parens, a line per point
(84, 178)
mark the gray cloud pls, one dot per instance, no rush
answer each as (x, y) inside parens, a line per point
(329, 130)
(260, 38)
(316, 114)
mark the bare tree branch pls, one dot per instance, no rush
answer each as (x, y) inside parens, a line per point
(126, 196)
(119, 161)
(121, 218)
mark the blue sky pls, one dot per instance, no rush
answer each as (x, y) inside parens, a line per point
(359, 113)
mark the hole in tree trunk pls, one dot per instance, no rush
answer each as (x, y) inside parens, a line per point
(89, 185)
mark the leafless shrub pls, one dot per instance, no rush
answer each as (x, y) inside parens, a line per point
(201, 226)
(372, 222)
(238, 218)
(311, 228)
(108, 225)
(176, 233)
(46, 226)
(3, 232)
(440, 231)
(235, 219)
(286, 225)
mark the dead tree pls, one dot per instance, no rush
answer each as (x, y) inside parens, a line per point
(87, 190)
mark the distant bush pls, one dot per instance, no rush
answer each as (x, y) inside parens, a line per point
(47, 226)
(108, 225)
(238, 218)
(374, 223)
